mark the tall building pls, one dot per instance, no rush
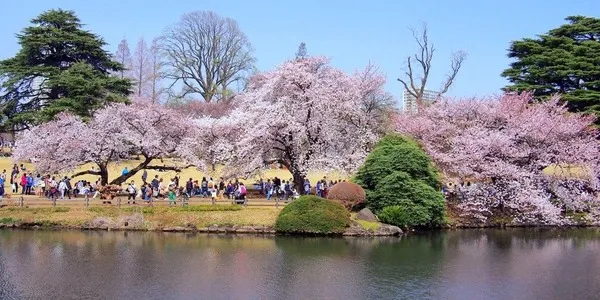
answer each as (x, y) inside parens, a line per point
(410, 102)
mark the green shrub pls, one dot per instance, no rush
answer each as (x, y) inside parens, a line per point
(405, 156)
(398, 173)
(314, 215)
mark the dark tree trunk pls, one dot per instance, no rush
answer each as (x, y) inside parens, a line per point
(119, 180)
(103, 175)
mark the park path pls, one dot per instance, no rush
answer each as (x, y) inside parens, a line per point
(35, 201)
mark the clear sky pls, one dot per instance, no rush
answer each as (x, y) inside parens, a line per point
(351, 33)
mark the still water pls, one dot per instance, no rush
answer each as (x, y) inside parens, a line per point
(469, 264)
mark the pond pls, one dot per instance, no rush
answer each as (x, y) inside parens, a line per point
(468, 264)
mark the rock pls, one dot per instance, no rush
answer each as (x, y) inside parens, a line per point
(135, 221)
(388, 230)
(222, 229)
(213, 228)
(203, 229)
(175, 229)
(367, 215)
(356, 230)
(259, 228)
(101, 223)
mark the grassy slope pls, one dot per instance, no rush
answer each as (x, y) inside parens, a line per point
(156, 217)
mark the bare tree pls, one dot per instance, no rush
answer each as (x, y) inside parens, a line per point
(206, 53)
(123, 56)
(157, 64)
(141, 68)
(417, 76)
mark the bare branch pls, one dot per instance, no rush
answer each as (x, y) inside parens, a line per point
(457, 60)
(423, 59)
(207, 53)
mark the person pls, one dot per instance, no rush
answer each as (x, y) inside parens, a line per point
(189, 186)
(62, 187)
(131, 190)
(41, 187)
(144, 176)
(204, 186)
(306, 186)
(171, 193)
(268, 189)
(221, 188)
(29, 184)
(242, 191)
(318, 188)
(2, 178)
(213, 190)
(125, 172)
(155, 185)
(69, 186)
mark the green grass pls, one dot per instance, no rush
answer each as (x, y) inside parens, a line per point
(39, 210)
(232, 207)
(368, 225)
(9, 220)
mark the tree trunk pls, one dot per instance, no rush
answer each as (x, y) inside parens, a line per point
(103, 174)
(119, 180)
(298, 181)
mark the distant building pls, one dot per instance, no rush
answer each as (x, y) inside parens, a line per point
(410, 102)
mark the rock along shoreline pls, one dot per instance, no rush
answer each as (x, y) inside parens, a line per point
(383, 230)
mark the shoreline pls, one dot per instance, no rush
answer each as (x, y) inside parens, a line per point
(268, 230)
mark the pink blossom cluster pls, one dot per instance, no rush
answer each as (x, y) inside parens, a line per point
(113, 134)
(305, 115)
(503, 145)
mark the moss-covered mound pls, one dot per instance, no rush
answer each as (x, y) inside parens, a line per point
(313, 215)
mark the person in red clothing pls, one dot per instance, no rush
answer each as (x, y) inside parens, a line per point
(23, 183)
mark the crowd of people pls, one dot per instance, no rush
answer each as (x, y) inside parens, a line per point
(44, 186)
(52, 187)
(157, 188)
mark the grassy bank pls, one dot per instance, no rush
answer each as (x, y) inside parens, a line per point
(152, 218)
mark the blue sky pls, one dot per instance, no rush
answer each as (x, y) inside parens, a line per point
(351, 33)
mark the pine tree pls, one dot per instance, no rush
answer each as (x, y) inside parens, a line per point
(565, 60)
(60, 67)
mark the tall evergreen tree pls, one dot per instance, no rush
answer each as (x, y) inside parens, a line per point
(60, 67)
(565, 60)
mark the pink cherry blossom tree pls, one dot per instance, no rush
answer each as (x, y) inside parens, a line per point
(504, 144)
(305, 115)
(115, 133)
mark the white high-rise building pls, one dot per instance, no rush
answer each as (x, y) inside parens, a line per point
(410, 102)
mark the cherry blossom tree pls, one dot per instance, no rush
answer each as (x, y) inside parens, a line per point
(115, 133)
(504, 144)
(305, 115)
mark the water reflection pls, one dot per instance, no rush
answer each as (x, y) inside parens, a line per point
(471, 264)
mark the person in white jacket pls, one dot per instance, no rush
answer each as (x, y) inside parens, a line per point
(62, 188)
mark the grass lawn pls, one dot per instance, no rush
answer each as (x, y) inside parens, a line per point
(154, 217)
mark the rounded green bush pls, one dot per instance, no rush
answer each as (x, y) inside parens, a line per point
(314, 215)
(399, 174)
